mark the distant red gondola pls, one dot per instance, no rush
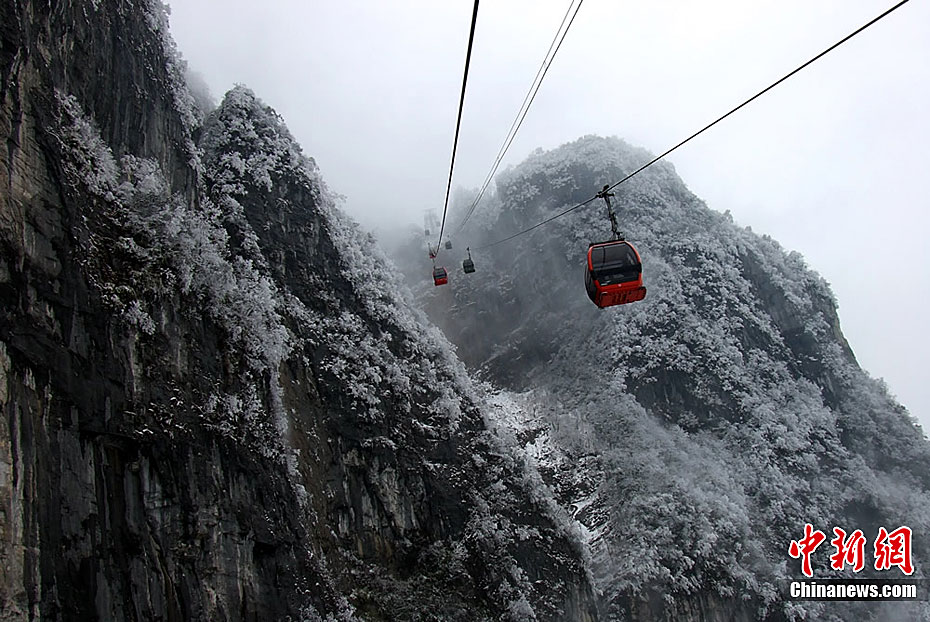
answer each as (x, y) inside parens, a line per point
(439, 276)
(614, 274)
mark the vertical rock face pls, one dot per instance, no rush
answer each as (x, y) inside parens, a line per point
(216, 403)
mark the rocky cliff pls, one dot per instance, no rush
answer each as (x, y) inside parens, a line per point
(217, 404)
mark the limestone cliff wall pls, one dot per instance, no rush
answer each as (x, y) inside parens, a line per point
(215, 403)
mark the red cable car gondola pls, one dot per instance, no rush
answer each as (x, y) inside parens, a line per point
(439, 276)
(614, 274)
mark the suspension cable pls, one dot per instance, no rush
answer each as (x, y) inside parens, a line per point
(706, 127)
(527, 102)
(458, 124)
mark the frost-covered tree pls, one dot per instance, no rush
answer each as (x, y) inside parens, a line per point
(714, 418)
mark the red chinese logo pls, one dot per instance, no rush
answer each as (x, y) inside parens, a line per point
(848, 550)
(891, 549)
(805, 546)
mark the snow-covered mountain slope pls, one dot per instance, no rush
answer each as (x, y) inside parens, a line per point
(217, 402)
(710, 421)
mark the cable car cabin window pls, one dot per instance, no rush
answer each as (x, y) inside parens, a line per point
(589, 285)
(615, 263)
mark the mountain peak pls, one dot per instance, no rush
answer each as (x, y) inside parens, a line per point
(716, 417)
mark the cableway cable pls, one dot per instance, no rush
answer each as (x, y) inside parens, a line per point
(527, 102)
(458, 123)
(706, 127)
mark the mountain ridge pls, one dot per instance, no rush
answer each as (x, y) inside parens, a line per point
(727, 404)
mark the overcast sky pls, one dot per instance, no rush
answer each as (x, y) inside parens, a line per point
(833, 163)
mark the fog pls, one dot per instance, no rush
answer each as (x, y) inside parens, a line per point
(831, 163)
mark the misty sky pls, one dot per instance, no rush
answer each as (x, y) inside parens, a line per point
(832, 163)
